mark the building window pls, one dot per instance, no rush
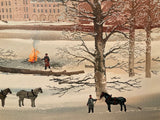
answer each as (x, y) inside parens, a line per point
(34, 10)
(53, 10)
(53, 5)
(2, 9)
(33, 5)
(10, 16)
(50, 10)
(26, 1)
(27, 16)
(9, 2)
(3, 16)
(37, 5)
(42, 10)
(58, 10)
(26, 9)
(10, 10)
(7, 16)
(38, 10)
(46, 11)
(41, 5)
(6, 10)
(24, 16)
(1, 3)
(6, 3)
(49, 5)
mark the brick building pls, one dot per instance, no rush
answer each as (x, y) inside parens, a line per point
(31, 10)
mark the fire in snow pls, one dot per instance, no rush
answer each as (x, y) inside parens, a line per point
(34, 54)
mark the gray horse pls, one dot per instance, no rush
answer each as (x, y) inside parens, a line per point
(32, 95)
(3, 95)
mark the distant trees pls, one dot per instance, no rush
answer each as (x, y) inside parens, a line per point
(144, 14)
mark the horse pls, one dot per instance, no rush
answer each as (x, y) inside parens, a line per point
(32, 95)
(3, 95)
(113, 100)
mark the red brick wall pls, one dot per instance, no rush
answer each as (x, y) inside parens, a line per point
(25, 10)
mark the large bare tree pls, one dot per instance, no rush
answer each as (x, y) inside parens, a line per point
(100, 13)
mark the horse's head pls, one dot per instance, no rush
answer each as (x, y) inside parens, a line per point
(40, 90)
(9, 91)
(37, 90)
(105, 94)
(102, 95)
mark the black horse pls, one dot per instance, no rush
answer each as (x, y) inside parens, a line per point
(114, 100)
(3, 95)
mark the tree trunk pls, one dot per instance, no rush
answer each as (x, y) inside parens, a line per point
(99, 66)
(148, 40)
(45, 73)
(131, 51)
(148, 54)
(100, 71)
(131, 40)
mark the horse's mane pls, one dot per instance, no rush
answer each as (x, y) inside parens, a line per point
(37, 88)
(105, 93)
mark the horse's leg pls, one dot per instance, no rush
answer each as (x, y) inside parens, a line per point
(121, 107)
(34, 103)
(3, 102)
(20, 99)
(125, 109)
(31, 102)
(23, 101)
(109, 107)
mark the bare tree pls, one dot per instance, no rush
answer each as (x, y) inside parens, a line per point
(132, 11)
(151, 18)
(97, 12)
(148, 18)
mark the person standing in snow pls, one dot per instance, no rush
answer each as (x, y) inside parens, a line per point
(46, 61)
(90, 104)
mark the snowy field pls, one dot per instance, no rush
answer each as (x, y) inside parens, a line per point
(72, 105)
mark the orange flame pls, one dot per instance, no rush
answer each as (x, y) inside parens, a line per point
(33, 55)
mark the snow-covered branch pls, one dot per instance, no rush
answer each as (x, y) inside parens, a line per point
(77, 56)
(122, 86)
(6, 55)
(113, 50)
(115, 30)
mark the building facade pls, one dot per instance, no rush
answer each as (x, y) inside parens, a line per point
(31, 10)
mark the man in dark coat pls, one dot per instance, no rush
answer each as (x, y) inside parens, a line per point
(46, 61)
(90, 104)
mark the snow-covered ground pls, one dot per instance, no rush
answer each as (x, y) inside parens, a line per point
(72, 105)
